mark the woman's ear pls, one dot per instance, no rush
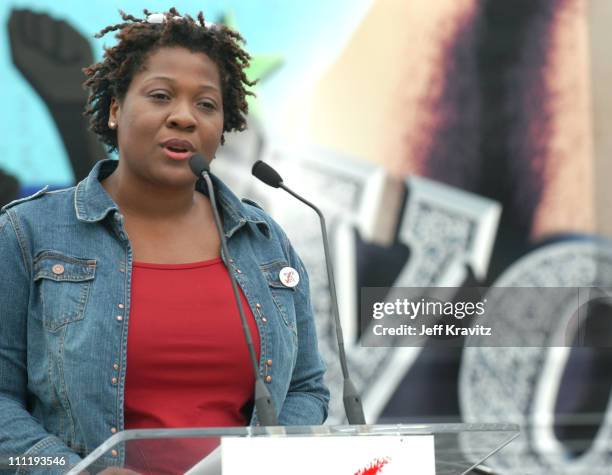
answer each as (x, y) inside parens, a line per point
(113, 114)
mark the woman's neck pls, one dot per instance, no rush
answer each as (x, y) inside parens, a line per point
(146, 200)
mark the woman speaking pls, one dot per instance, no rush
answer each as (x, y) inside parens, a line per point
(116, 306)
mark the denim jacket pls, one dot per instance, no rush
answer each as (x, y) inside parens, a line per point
(65, 270)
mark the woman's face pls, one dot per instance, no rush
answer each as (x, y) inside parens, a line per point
(172, 109)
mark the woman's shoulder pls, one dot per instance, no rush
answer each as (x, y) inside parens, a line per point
(276, 232)
(256, 212)
(254, 209)
(43, 205)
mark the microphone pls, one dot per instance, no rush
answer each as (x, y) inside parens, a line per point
(263, 401)
(198, 165)
(267, 174)
(353, 407)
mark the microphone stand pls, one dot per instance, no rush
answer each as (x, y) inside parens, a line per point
(351, 398)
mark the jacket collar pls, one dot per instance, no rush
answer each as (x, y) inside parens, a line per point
(92, 203)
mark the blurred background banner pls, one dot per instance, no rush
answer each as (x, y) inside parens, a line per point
(456, 143)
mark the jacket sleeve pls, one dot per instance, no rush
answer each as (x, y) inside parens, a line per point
(308, 397)
(20, 433)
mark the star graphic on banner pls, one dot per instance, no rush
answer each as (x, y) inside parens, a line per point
(262, 65)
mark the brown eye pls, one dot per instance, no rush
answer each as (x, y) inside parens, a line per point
(207, 105)
(160, 96)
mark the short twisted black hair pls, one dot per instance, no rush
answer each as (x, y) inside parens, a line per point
(111, 77)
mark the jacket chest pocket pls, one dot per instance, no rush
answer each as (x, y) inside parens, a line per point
(281, 294)
(63, 283)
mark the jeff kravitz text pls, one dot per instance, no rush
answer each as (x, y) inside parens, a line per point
(435, 330)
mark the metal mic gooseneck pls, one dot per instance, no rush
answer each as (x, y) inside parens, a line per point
(263, 401)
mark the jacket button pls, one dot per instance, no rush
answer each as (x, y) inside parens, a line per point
(268, 379)
(115, 366)
(119, 318)
(264, 319)
(239, 271)
(114, 453)
(121, 305)
(269, 362)
(58, 269)
(257, 305)
(114, 381)
(114, 430)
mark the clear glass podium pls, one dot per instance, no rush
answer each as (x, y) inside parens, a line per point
(458, 448)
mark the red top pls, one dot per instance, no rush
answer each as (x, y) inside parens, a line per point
(187, 360)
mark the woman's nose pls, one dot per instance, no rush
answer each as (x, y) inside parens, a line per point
(181, 116)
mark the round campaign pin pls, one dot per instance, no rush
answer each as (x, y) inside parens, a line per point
(289, 277)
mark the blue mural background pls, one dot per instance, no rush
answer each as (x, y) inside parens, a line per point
(306, 35)
(468, 117)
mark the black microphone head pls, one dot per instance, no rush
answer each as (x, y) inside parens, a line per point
(198, 165)
(264, 172)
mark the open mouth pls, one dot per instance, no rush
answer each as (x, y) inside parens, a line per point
(176, 149)
(177, 153)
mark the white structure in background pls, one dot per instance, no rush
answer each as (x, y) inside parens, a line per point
(446, 229)
(521, 385)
